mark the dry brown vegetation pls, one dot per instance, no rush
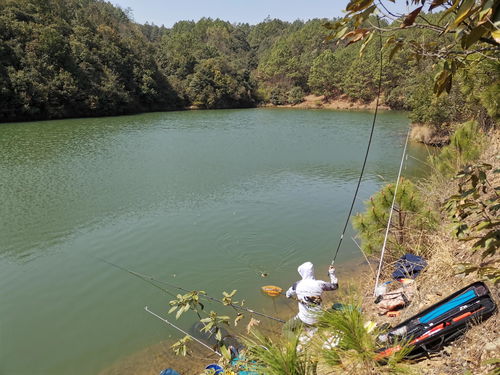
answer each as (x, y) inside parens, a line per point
(343, 102)
(428, 135)
(471, 353)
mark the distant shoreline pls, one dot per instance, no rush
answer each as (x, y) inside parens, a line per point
(310, 102)
(342, 103)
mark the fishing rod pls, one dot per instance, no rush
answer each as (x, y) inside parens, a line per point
(379, 90)
(181, 330)
(151, 280)
(390, 213)
(145, 278)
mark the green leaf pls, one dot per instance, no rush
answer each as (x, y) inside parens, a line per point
(232, 293)
(462, 13)
(492, 361)
(443, 81)
(340, 33)
(474, 35)
(238, 318)
(496, 35)
(226, 353)
(451, 9)
(365, 43)
(172, 309)
(331, 26)
(390, 40)
(486, 225)
(178, 314)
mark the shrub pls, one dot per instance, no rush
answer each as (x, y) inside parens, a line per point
(465, 146)
(353, 349)
(411, 214)
(295, 95)
(279, 357)
(278, 96)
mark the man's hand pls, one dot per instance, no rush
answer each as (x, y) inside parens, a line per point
(331, 269)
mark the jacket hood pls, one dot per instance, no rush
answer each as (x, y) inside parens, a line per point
(306, 270)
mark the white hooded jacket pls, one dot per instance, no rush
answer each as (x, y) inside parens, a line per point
(309, 291)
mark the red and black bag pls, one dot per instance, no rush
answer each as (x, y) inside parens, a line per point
(428, 331)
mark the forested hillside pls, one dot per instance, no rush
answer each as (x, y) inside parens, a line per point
(67, 58)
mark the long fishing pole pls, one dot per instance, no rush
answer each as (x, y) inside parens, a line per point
(145, 278)
(367, 148)
(151, 280)
(390, 214)
(181, 330)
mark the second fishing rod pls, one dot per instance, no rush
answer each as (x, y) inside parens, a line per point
(151, 280)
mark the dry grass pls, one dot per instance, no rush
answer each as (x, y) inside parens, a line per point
(342, 103)
(481, 343)
(427, 135)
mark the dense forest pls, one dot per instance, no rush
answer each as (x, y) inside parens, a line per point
(68, 58)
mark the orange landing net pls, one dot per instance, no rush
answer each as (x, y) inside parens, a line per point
(272, 290)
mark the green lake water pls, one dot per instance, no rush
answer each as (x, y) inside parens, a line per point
(204, 199)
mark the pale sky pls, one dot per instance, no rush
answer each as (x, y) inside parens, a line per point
(168, 12)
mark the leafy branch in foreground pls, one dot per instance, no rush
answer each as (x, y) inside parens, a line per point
(180, 347)
(472, 27)
(213, 323)
(474, 212)
(185, 302)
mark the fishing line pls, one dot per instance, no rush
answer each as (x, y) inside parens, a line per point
(145, 278)
(367, 148)
(181, 330)
(151, 280)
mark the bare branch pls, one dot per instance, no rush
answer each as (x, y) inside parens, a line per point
(395, 16)
(444, 53)
(414, 26)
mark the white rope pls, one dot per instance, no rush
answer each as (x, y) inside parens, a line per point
(390, 213)
(179, 329)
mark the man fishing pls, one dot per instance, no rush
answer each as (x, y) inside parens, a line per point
(308, 292)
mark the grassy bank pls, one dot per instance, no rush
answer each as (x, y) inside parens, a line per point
(475, 351)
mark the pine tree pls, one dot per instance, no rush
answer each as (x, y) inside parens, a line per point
(411, 215)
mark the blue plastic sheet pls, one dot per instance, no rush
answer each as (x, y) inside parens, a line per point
(169, 371)
(409, 266)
